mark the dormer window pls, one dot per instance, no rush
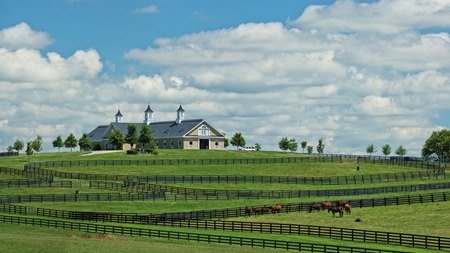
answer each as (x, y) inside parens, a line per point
(204, 131)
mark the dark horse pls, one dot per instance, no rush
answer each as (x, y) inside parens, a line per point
(248, 210)
(348, 209)
(342, 203)
(335, 209)
(314, 207)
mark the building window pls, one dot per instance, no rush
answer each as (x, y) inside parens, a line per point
(216, 145)
(171, 146)
(179, 144)
(190, 144)
(204, 131)
(164, 143)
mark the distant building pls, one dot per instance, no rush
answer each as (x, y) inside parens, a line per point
(177, 134)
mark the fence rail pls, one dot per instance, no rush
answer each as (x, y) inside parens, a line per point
(209, 238)
(358, 235)
(33, 183)
(338, 180)
(9, 153)
(237, 194)
(330, 158)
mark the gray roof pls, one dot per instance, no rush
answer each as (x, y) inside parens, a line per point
(163, 129)
(149, 109)
(97, 133)
(180, 109)
(119, 114)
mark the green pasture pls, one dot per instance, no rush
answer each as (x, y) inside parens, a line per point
(28, 239)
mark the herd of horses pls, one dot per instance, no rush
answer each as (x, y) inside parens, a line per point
(340, 207)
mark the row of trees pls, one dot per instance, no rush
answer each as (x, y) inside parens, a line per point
(72, 142)
(286, 144)
(386, 150)
(144, 138)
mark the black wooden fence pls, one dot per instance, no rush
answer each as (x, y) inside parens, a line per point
(9, 153)
(358, 235)
(258, 194)
(418, 163)
(209, 238)
(339, 180)
(33, 183)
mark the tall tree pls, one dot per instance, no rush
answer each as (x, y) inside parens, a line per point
(438, 145)
(304, 144)
(146, 138)
(320, 146)
(371, 149)
(293, 145)
(238, 140)
(401, 151)
(386, 149)
(71, 142)
(84, 143)
(310, 149)
(258, 146)
(226, 143)
(284, 144)
(36, 144)
(132, 135)
(58, 142)
(18, 145)
(116, 139)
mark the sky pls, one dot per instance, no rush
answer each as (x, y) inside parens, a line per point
(351, 72)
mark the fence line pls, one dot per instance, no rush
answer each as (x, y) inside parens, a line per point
(9, 153)
(210, 238)
(338, 180)
(358, 235)
(330, 158)
(33, 183)
(266, 194)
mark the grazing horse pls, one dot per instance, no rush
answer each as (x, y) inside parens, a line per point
(314, 207)
(335, 209)
(326, 205)
(342, 203)
(265, 210)
(348, 209)
(277, 208)
(248, 210)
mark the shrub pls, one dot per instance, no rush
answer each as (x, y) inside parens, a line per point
(132, 152)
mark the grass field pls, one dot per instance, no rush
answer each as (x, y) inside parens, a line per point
(431, 219)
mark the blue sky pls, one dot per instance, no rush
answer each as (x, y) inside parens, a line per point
(353, 72)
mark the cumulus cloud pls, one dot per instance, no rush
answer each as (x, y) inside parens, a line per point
(147, 9)
(22, 36)
(384, 17)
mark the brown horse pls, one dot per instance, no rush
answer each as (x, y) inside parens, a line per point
(342, 203)
(314, 207)
(335, 209)
(277, 208)
(348, 209)
(326, 205)
(248, 210)
(265, 210)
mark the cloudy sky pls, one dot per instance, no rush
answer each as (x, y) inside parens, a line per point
(352, 72)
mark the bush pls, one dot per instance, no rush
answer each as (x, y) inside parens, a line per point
(132, 152)
(97, 147)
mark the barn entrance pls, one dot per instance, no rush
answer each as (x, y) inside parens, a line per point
(204, 143)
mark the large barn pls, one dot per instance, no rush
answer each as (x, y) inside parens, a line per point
(176, 134)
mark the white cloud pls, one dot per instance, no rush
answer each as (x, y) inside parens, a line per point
(147, 9)
(22, 36)
(385, 16)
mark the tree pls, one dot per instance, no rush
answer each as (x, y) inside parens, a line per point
(304, 145)
(116, 139)
(18, 145)
(401, 151)
(293, 145)
(437, 145)
(320, 146)
(309, 149)
(10, 149)
(132, 136)
(70, 142)
(386, 149)
(238, 140)
(146, 138)
(58, 142)
(371, 149)
(84, 143)
(284, 144)
(226, 143)
(258, 146)
(36, 144)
